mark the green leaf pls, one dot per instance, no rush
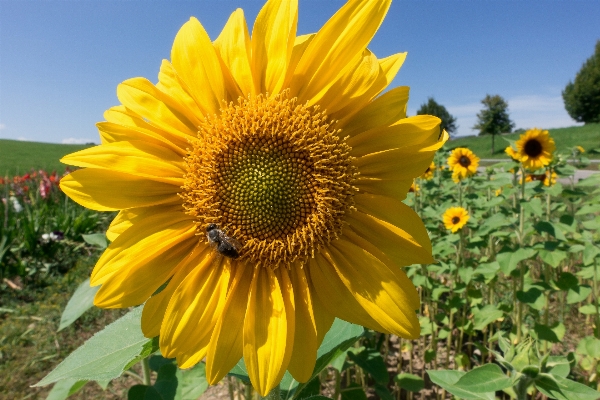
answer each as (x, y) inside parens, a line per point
(589, 346)
(485, 316)
(410, 382)
(96, 239)
(106, 354)
(558, 366)
(588, 209)
(143, 392)
(561, 388)
(448, 378)
(81, 301)
(63, 389)
(192, 382)
(484, 379)
(531, 296)
(552, 257)
(588, 309)
(372, 363)
(551, 229)
(509, 260)
(578, 294)
(354, 392)
(488, 270)
(552, 334)
(589, 253)
(567, 281)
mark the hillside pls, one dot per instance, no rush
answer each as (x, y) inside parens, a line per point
(19, 157)
(587, 136)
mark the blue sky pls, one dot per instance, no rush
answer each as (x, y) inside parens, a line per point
(60, 61)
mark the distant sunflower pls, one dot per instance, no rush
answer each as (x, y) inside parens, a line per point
(414, 188)
(463, 163)
(235, 134)
(455, 218)
(512, 153)
(548, 178)
(535, 148)
(428, 174)
(580, 149)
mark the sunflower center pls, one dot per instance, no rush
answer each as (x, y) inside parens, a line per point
(272, 174)
(464, 161)
(533, 148)
(455, 220)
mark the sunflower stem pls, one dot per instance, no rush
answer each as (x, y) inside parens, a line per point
(274, 394)
(146, 371)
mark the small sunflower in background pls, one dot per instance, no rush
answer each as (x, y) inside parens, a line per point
(548, 178)
(535, 148)
(512, 153)
(498, 192)
(414, 188)
(455, 218)
(580, 149)
(463, 163)
(428, 174)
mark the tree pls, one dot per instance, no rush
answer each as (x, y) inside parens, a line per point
(493, 118)
(438, 110)
(582, 97)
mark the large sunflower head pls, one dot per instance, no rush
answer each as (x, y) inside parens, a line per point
(463, 163)
(535, 148)
(455, 218)
(259, 182)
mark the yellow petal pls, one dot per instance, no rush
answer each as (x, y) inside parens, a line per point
(398, 243)
(385, 110)
(156, 306)
(359, 86)
(388, 300)
(194, 308)
(158, 108)
(268, 328)
(126, 218)
(136, 158)
(393, 188)
(226, 344)
(234, 47)
(300, 44)
(304, 354)
(134, 283)
(335, 296)
(406, 132)
(399, 164)
(111, 132)
(273, 39)
(147, 238)
(333, 48)
(103, 190)
(170, 83)
(197, 64)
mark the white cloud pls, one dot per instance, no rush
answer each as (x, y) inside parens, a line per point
(526, 112)
(23, 139)
(77, 141)
(2, 127)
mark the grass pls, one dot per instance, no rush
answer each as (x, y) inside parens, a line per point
(18, 157)
(587, 136)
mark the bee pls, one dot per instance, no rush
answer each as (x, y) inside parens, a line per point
(224, 244)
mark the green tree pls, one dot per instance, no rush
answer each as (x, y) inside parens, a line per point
(493, 118)
(433, 108)
(582, 97)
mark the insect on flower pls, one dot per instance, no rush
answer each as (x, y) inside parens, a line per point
(226, 245)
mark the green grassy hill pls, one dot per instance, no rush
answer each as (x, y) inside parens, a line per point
(18, 158)
(587, 136)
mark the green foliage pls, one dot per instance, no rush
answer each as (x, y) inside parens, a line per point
(493, 119)
(582, 97)
(432, 107)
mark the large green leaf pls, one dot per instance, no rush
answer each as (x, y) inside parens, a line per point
(371, 362)
(550, 228)
(164, 388)
(81, 301)
(447, 380)
(106, 354)
(191, 382)
(560, 388)
(63, 389)
(410, 382)
(485, 316)
(484, 379)
(509, 260)
(96, 239)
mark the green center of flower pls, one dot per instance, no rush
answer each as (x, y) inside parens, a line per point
(273, 175)
(455, 220)
(533, 148)
(464, 161)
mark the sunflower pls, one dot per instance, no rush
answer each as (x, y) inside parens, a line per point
(512, 153)
(414, 188)
(455, 218)
(285, 150)
(428, 174)
(463, 163)
(535, 148)
(548, 178)
(579, 149)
